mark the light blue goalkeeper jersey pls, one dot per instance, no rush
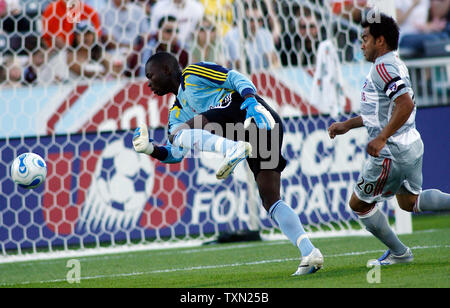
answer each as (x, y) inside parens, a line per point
(203, 86)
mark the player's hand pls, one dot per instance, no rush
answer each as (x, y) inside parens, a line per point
(337, 128)
(141, 142)
(256, 111)
(375, 146)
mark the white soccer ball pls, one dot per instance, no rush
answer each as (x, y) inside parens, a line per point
(29, 170)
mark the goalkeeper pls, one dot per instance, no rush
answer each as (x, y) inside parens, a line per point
(211, 98)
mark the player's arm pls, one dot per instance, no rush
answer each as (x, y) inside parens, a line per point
(169, 154)
(340, 128)
(143, 144)
(255, 110)
(403, 108)
(239, 83)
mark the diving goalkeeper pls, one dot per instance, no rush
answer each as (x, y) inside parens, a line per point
(211, 96)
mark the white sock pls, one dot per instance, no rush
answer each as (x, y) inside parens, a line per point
(202, 140)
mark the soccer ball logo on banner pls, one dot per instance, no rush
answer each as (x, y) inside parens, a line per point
(122, 183)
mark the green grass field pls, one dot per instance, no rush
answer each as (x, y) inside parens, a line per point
(266, 264)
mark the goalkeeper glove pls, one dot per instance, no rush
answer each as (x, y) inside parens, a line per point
(256, 111)
(141, 142)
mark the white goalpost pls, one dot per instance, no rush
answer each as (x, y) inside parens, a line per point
(100, 196)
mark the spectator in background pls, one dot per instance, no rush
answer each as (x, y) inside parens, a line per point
(85, 58)
(271, 20)
(165, 39)
(349, 9)
(206, 48)
(8, 9)
(147, 6)
(411, 15)
(299, 44)
(221, 13)
(346, 35)
(421, 22)
(439, 17)
(255, 46)
(15, 73)
(36, 62)
(187, 12)
(11, 73)
(122, 23)
(82, 60)
(18, 26)
(58, 22)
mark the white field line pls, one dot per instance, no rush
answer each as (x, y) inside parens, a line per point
(205, 267)
(115, 252)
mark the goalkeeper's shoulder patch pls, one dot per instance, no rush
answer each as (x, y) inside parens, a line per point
(203, 70)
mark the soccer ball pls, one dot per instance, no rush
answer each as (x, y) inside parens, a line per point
(28, 170)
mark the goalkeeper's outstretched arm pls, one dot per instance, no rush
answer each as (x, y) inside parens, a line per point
(167, 154)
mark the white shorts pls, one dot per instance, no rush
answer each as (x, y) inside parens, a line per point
(383, 178)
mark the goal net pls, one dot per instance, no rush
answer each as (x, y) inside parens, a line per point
(76, 102)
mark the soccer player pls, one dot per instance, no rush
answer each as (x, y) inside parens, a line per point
(211, 98)
(396, 150)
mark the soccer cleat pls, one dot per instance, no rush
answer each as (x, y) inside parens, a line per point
(388, 258)
(233, 156)
(310, 264)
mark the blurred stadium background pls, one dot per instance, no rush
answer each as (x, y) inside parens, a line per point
(73, 90)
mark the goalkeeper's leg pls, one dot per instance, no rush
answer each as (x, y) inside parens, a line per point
(268, 182)
(194, 135)
(202, 140)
